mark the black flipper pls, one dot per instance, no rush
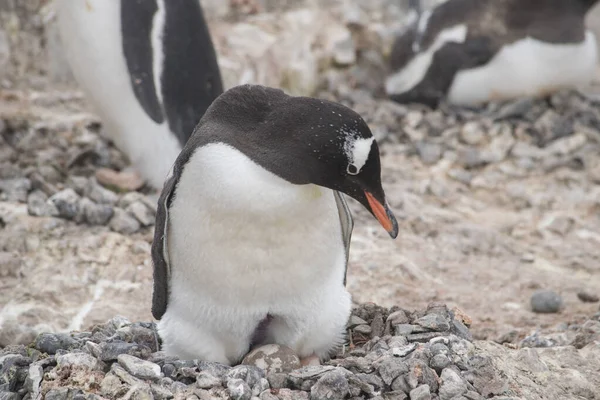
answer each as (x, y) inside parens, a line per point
(136, 30)
(191, 79)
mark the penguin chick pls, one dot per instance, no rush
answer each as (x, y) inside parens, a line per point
(149, 69)
(470, 52)
(252, 230)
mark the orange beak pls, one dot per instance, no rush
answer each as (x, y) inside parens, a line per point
(383, 215)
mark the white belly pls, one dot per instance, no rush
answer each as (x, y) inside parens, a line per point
(91, 36)
(528, 67)
(243, 243)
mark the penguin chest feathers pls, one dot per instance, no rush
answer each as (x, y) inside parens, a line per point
(239, 234)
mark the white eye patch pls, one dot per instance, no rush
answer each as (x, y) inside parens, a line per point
(357, 150)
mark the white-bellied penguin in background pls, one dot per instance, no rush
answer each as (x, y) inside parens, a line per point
(148, 67)
(474, 51)
(252, 232)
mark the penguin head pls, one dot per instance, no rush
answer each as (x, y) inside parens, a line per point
(305, 141)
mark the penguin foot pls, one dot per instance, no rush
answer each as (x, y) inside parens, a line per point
(122, 181)
(311, 360)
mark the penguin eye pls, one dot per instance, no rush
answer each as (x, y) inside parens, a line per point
(352, 170)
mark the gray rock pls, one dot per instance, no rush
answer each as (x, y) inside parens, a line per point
(110, 351)
(52, 342)
(429, 152)
(355, 321)
(142, 393)
(15, 190)
(344, 52)
(331, 386)
(249, 374)
(472, 133)
(439, 362)
(260, 387)
(273, 358)
(142, 213)
(238, 389)
(38, 205)
(9, 395)
(420, 393)
(78, 183)
(57, 394)
(588, 297)
(99, 194)
(403, 329)
(77, 360)
(403, 351)
(11, 368)
(34, 379)
(67, 203)
(363, 329)
(139, 368)
(390, 368)
(433, 322)
(96, 214)
(124, 223)
(452, 384)
(546, 301)
(205, 380)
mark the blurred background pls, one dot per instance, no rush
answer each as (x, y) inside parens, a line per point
(494, 203)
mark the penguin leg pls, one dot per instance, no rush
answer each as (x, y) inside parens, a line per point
(313, 327)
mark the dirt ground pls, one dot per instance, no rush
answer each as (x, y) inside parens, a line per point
(484, 246)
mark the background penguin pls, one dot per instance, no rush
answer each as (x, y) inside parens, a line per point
(148, 67)
(474, 51)
(252, 232)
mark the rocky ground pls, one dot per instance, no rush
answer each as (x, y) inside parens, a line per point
(390, 354)
(497, 207)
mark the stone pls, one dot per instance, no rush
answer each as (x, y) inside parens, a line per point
(96, 214)
(363, 329)
(452, 384)
(52, 342)
(390, 368)
(121, 181)
(15, 190)
(99, 194)
(139, 368)
(355, 321)
(67, 203)
(344, 52)
(403, 351)
(430, 153)
(34, 379)
(403, 329)
(205, 380)
(110, 351)
(124, 223)
(142, 213)
(333, 385)
(77, 360)
(546, 301)
(273, 358)
(587, 297)
(472, 133)
(238, 389)
(249, 374)
(420, 393)
(433, 322)
(38, 205)
(439, 362)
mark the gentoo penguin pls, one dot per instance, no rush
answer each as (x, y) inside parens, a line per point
(252, 231)
(148, 67)
(474, 51)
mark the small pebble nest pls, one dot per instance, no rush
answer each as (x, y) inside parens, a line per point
(389, 354)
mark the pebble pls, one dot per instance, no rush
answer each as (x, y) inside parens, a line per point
(77, 360)
(333, 385)
(546, 301)
(67, 203)
(139, 368)
(238, 389)
(99, 194)
(96, 214)
(124, 182)
(205, 380)
(430, 153)
(273, 358)
(10, 264)
(433, 322)
(15, 190)
(124, 223)
(420, 393)
(452, 384)
(142, 213)
(363, 329)
(38, 205)
(587, 297)
(52, 342)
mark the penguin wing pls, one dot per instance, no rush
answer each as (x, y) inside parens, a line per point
(347, 224)
(160, 249)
